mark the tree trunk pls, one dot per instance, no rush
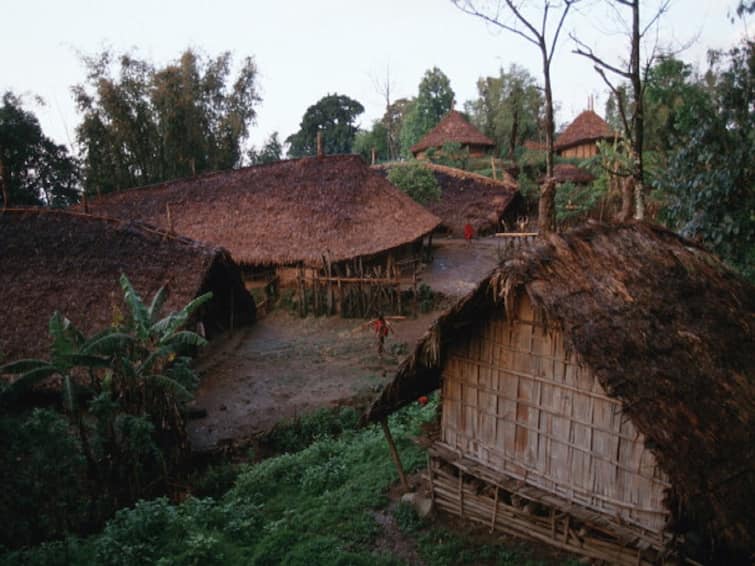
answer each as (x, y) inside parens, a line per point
(546, 206)
(627, 197)
(638, 118)
(546, 209)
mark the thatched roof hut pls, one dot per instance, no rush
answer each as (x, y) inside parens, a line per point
(579, 138)
(469, 197)
(604, 376)
(283, 213)
(56, 260)
(454, 128)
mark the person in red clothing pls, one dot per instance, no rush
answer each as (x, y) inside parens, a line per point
(468, 232)
(382, 329)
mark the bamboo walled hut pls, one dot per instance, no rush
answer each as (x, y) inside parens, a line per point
(597, 395)
(454, 128)
(579, 139)
(336, 230)
(56, 260)
(468, 197)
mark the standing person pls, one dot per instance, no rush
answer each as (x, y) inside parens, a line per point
(468, 232)
(382, 329)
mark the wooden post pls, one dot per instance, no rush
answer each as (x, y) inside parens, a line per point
(320, 150)
(492, 164)
(373, 156)
(394, 453)
(170, 218)
(3, 185)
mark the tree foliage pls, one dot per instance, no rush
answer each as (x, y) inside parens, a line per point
(334, 117)
(435, 99)
(270, 152)
(417, 181)
(34, 170)
(708, 184)
(145, 124)
(374, 139)
(508, 108)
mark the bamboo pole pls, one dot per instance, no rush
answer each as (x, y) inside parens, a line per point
(492, 164)
(394, 453)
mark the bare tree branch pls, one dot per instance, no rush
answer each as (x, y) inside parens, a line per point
(586, 51)
(468, 8)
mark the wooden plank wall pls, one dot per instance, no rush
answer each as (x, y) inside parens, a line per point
(516, 401)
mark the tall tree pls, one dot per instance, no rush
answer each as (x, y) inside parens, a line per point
(507, 108)
(334, 117)
(34, 169)
(535, 26)
(270, 152)
(435, 98)
(634, 70)
(149, 124)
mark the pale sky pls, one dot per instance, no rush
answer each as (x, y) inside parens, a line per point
(307, 49)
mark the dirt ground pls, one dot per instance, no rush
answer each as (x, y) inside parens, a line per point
(284, 366)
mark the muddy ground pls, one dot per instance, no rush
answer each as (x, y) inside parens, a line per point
(284, 366)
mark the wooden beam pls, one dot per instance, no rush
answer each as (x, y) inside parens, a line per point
(394, 453)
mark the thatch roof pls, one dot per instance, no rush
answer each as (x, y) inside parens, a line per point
(56, 260)
(666, 328)
(570, 173)
(282, 213)
(453, 128)
(466, 196)
(587, 127)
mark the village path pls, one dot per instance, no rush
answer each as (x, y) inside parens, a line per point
(284, 366)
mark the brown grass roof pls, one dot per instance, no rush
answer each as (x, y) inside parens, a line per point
(666, 328)
(56, 260)
(284, 212)
(453, 128)
(466, 195)
(587, 127)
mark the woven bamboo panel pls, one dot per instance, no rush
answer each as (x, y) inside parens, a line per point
(516, 400)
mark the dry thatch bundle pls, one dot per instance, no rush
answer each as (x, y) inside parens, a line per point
(666, 329)
(55, 260)
(453, 128)
(467, 197)
(282, 213)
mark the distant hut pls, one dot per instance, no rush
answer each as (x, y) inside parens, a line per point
(56, 260)
(598, 396)
(469, 197)
(579, 139)
(454, 128)
(310, 222)
(570, 173)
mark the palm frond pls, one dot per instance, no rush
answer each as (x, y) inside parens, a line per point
(158, 301)
(169, 385)
(139, 313)
(106, 343)
(69, 393)
(22, 366)
(171, 323)
(184, 338)
(28, 380)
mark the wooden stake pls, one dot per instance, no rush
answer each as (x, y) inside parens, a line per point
(170, 218)
(394, 453)
(492, 164)
(320, 150)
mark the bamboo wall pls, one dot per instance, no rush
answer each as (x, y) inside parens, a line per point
(516, 401)
(583, 151)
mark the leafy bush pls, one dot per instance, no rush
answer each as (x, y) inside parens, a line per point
(300, 432)
(43, 494)
(416, 181)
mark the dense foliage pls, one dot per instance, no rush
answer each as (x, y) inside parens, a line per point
(34, 170)
(417, 181)
(333, 116)
(270, 152)
(149, 124)
(123, 392)
(508, 108)
(317, 505)
(708, 183)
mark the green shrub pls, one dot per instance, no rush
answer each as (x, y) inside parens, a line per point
(417, 181)
(42, 467)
